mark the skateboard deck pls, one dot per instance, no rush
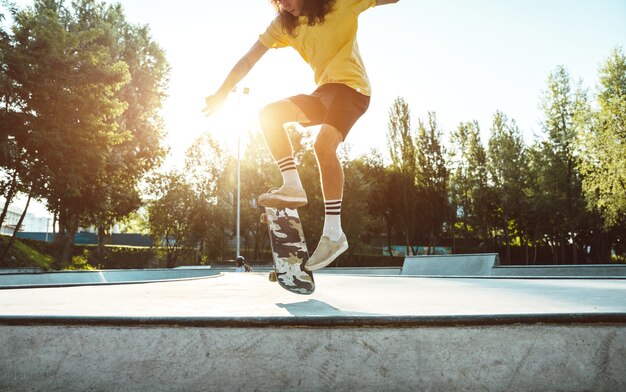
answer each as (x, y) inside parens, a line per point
(289, 251)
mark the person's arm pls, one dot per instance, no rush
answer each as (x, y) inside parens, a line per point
(239, 71)
(383, 2)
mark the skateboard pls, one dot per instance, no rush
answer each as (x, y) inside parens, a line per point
(289, 251)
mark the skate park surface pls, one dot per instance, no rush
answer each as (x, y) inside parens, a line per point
(410, 328)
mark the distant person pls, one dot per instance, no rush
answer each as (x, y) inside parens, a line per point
(324, 34)
(241, 265)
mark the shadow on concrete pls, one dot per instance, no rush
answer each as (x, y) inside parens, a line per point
(314, 307)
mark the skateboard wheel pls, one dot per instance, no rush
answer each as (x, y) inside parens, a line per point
(263, 218)
(272, 276)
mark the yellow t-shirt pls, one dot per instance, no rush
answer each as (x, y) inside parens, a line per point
(329, 48)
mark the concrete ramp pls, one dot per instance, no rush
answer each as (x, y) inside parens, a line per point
(313, 355)
(450, 265)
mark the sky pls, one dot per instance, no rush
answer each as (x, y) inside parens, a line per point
(463, 60)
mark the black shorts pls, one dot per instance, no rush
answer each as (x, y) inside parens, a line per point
(334, 104)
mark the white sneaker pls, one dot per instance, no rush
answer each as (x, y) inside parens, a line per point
(326, 252)
(286, 196)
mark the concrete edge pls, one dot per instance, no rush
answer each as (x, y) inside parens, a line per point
(320, 322)
(62, 285)
(515, 277)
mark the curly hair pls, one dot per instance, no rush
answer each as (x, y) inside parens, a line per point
(314, 10)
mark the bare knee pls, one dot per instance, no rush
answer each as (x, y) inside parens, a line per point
(269, 117)
(326, 144)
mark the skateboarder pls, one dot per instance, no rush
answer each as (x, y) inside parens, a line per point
(241, 265)
(324, 34)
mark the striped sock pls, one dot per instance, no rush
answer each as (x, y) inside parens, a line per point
(289, 172)
(286, 164)
(333, 207)
(332, 220)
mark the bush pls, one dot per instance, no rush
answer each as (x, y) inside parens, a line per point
(80, 263)
(122, 257)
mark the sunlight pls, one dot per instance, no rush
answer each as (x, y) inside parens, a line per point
(233, 120)
(185, 122)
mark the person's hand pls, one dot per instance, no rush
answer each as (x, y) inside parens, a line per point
(213, 104)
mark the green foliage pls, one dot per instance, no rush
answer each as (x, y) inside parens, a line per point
(121, 257)
(403, 153)
(205, 164)
(559, 180)
(80, 262)
(471, 197)
(602, 144)
(170, 212)
(508, 168)
(431, 179)
(136, 222)
(82, 90)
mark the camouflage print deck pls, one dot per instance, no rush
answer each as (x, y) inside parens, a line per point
(289, 250)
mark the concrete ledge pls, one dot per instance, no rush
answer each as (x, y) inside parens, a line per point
(163, 358)
(323, 321)
(487, 265)
(378, 271)
(22, 270)
(457, 265)
(99, 277)
(557, 271)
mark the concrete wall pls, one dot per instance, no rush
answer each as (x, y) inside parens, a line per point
(454, 265)
(491, 358)
(486, 265)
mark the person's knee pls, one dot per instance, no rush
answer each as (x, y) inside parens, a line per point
(326, 143)
(269, 117)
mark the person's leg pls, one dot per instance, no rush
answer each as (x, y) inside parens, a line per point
(333, 241)
(344, 107)
(332, 179)
(331, 172)
(272, 119)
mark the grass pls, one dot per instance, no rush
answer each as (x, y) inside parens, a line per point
(22, 255)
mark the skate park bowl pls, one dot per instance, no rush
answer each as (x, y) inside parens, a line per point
(369, 330)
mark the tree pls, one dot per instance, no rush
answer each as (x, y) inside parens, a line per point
(66, 83)
(205, 165)
(116, 192)
(508, 167)
(561, 182)
(14, 165)
(85, 87)
(431, 180)
(603, 144)
(470, 194)
(170, 213)
(358, 188)
(378, 196)
(402, 150)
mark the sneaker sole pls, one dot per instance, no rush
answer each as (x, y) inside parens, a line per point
(328, 261)
(286, 202)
